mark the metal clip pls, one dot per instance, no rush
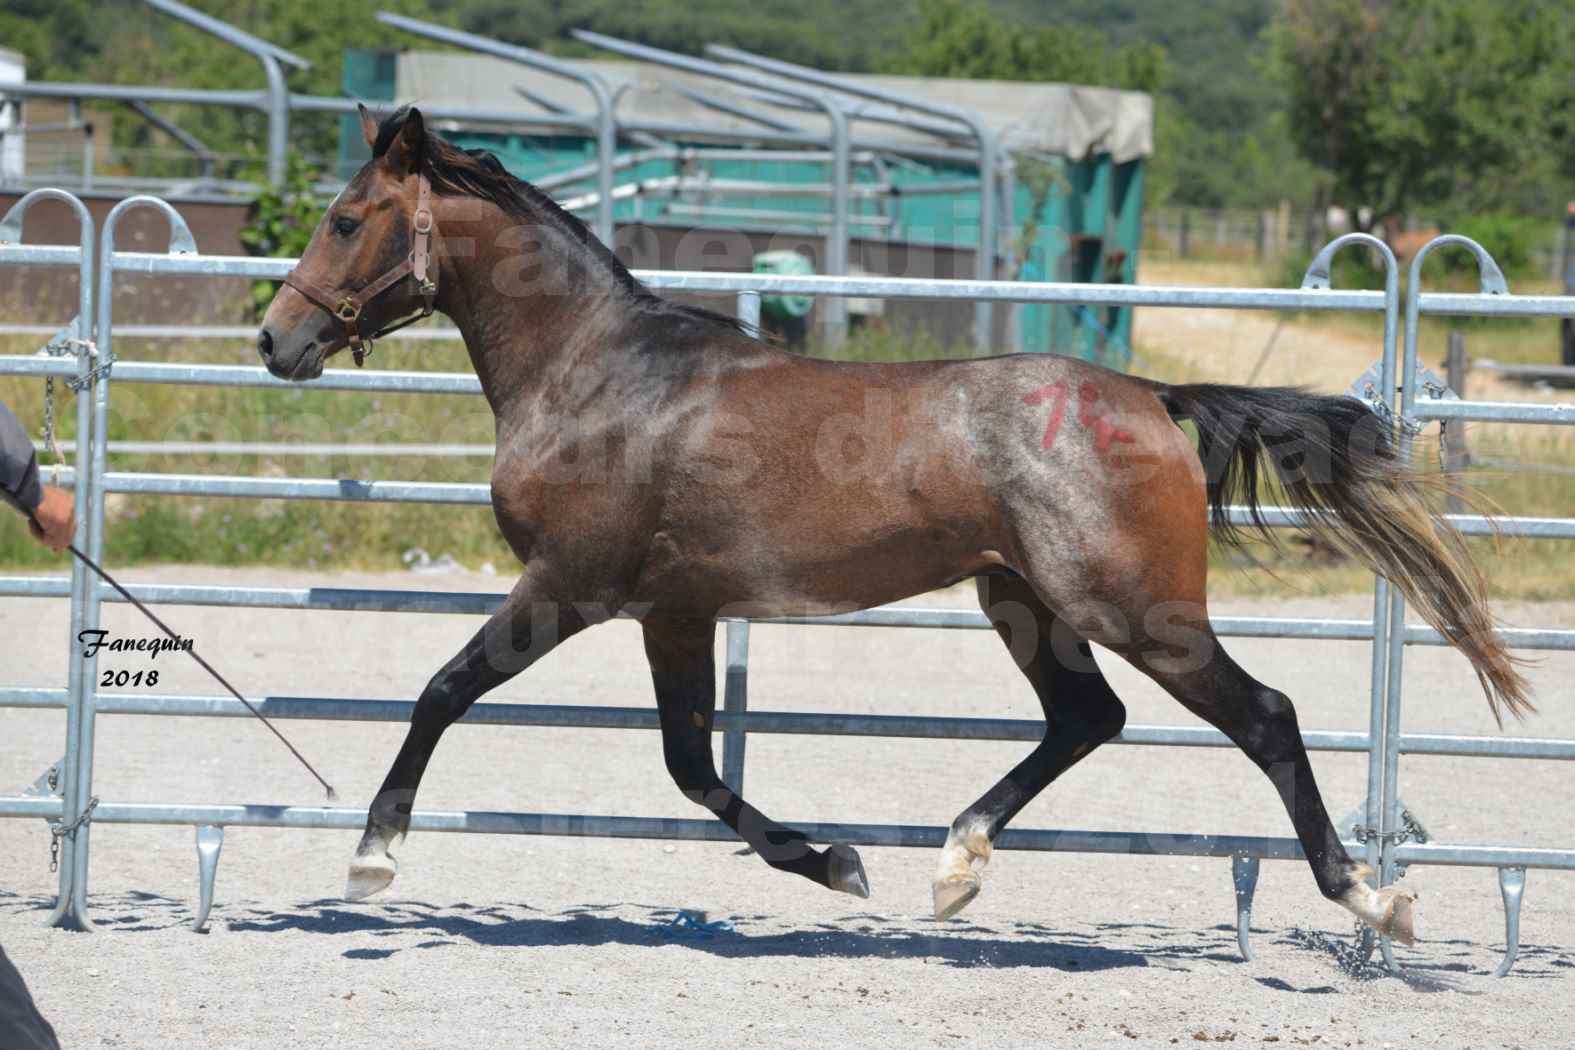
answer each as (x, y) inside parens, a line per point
(1437, 390)
(1410, 830)
(1411, 827)
(67, 340)
(48, 783)
(100, 371)
(59, 830)
(1368, 389)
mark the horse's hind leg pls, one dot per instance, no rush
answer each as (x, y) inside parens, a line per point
(683, 669)
(1081, 712)
(1262, 722)
(526, 628)
(1146, 603)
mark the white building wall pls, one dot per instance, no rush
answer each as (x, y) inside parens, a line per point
(13, 70)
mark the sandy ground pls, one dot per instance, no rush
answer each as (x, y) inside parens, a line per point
(1231, 345)
(494, 940)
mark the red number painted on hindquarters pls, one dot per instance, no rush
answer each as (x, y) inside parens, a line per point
(1057, 392)
(1089, 415)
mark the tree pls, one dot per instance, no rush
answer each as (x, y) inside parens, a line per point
(127, 42)
(1408, 103)
(965, 38)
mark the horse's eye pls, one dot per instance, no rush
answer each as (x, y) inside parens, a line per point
(344, 226)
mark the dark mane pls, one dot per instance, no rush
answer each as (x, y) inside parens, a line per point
(477, 173)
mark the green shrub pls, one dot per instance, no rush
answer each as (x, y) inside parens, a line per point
(280, 222)
(1510, 239)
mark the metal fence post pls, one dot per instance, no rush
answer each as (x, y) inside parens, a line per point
(735, 700)
(92, 485)
(278, 121)
(1457, 455)
(1492, 283)
(66, 913)
(72, 804)
(1319, 276)
(749, 310)
(735, 687)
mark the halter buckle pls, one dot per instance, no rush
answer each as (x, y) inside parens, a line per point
(347, 310)
(423, 223)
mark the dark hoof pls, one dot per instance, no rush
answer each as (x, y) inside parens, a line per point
(847, 872)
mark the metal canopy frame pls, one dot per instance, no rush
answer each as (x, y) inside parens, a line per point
(772, 82)
(603, 126)
(989, 149)
(192, 144)
(270, 55)
(835, 322)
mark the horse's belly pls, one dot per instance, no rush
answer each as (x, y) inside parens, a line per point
(766, 573)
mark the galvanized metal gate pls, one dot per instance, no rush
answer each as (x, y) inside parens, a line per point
(1397, 388)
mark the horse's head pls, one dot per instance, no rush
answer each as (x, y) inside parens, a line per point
(369, 266)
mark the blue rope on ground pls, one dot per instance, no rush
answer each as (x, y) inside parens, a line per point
(692, 925)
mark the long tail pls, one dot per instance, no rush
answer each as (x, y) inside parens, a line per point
(1336, 462)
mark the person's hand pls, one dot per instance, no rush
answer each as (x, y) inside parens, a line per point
(54, 523)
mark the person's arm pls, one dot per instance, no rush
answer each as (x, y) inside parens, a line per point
(51, 514)
(18, 465)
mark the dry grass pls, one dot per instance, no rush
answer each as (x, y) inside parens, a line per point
(1533, 472)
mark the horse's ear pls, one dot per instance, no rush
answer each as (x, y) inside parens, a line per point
(404, 153)
(368, 126)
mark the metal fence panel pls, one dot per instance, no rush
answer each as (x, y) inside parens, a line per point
(1382, 837)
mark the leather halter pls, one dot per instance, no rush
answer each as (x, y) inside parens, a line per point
(346, 307)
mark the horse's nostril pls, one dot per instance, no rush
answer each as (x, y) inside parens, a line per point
(265, 344)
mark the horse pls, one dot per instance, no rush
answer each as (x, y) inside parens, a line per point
(656, 458)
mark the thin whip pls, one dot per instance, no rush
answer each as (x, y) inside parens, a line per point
(332, 795)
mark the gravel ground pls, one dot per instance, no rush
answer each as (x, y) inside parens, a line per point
(495, 940)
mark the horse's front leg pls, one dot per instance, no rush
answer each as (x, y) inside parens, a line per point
(683, 667)
(528, 626)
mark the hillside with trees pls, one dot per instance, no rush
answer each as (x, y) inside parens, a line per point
(1447, 106)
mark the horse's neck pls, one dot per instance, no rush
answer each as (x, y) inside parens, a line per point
(522, 318)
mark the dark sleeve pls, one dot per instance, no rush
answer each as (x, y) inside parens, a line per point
(18, 465)
(22, 1027)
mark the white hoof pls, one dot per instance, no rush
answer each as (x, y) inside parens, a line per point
(956, 881)
(1389, 910)
(847, 872)
(368, 875)
(954, 893)
(1401, 924)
